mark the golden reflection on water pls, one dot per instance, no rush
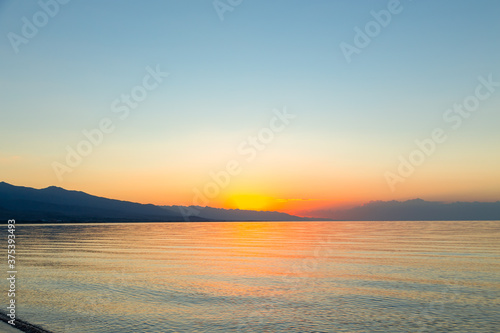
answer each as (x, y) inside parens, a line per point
(260, 276)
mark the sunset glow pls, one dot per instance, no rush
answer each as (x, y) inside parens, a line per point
(268, 116)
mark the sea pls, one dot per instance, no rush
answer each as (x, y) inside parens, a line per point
(421, 276)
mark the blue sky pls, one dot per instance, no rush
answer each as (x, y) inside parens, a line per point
(226, 77)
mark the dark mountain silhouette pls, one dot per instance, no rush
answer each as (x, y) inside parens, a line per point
(57, 204)
(416, 210)
(219, 214)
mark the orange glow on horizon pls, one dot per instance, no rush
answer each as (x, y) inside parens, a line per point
(249, 202)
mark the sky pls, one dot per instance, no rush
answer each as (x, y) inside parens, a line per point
(283, 105)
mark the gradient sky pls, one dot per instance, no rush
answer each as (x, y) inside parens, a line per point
(352, 119)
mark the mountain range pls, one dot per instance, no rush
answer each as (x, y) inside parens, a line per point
(416, 210)
(220, 214)
(55, 204)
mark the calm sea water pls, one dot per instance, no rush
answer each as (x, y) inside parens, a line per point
(260, 277)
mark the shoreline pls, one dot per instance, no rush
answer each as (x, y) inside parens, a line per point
(21, 325)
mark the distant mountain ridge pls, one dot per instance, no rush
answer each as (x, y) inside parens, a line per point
(55, 204)
(416, 210)
(219, 214)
